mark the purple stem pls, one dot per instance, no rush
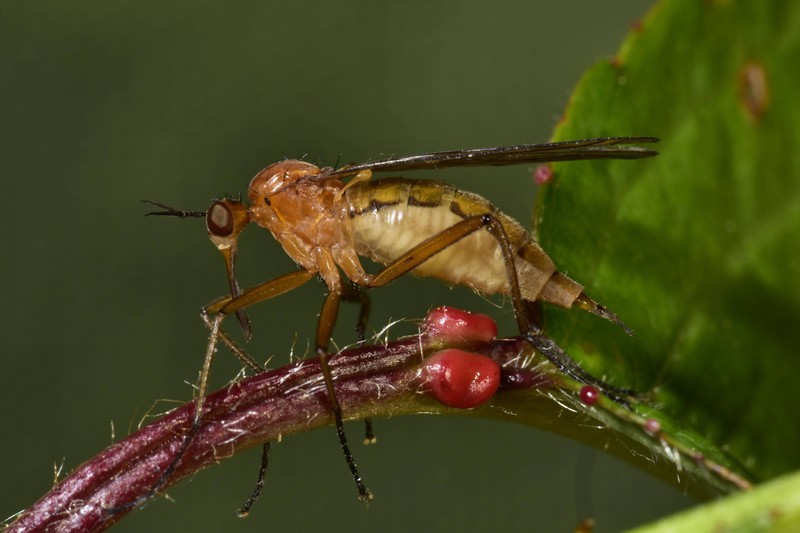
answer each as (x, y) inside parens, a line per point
(378, 380)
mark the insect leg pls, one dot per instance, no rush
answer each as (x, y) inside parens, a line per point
(425, 250)
(369, 432)
(213, 315)
(224, 306)
(327, 319)
(527, 327)
(187, 440)
(244, 510)
(248, 361)
(259, 293)
(532, 332)
(353, 293)
(286, 283)
(235, 349)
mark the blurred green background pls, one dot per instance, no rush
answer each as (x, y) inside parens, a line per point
(103, 104)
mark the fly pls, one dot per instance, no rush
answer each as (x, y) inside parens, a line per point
(422, 227)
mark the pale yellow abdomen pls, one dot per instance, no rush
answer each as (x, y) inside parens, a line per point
(389, 217)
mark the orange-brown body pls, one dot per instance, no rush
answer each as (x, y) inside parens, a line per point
(423, 227)
(324, 223)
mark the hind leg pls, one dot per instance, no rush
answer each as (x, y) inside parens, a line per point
(528, 327)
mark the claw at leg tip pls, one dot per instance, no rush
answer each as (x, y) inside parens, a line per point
(587, 304)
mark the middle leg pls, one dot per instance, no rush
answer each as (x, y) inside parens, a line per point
(327, 320)
(353, 293)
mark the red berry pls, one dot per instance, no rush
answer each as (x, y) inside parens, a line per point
(454, 325)
(461, 379)
(589, 395)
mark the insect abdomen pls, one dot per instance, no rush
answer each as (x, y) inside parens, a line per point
(388, 217)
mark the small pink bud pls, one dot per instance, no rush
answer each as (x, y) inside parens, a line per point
(652, 426)
(543, 174)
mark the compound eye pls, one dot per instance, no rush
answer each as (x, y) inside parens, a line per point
(219, 220)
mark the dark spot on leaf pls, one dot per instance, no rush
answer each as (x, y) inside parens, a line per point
(754, 89)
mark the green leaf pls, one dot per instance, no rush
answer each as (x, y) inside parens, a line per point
(698, 250)
(773, 507)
